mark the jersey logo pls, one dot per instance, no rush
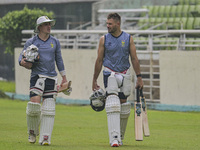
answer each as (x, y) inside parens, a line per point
(51, 45)
(40, 83)
(123, 43)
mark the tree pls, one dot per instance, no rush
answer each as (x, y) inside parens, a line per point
(12, 24)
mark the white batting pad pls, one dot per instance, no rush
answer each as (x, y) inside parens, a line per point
(126, 88)
(112, 87)
(113, 115)
(119, 79)
(33, 112)
(125, 112)
(47, 121)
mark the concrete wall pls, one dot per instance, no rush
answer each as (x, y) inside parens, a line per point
(79, 65)
(179, 77)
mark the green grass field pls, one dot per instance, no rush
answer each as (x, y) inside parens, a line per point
(81, 128)
(7, 86)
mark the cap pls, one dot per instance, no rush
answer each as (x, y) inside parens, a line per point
(42, 20)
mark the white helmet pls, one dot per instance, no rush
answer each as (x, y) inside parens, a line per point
(97, 100)
(31, 54)
(42, 20)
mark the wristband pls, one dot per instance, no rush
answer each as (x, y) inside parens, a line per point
(139, 75)
(62, 73)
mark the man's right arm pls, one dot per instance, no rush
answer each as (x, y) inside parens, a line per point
(98, 64)
(25, 64)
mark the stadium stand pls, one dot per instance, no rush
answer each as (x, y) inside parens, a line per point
(185, 14)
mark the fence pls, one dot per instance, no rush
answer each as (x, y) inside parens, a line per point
(145, 39)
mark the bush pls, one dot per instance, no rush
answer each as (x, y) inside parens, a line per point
(14, 22)
(3, 95)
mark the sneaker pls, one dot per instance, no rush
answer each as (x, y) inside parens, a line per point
(45, 141)
(32, 138)
(115, 143)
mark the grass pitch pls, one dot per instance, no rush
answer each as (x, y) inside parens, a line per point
(81, 128)
(7, 86)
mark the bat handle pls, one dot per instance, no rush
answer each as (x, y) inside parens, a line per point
(138, 94)
(141, 93)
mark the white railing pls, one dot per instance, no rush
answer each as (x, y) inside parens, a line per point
(149, 65)
(79, 39)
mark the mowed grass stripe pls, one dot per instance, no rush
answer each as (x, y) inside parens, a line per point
(81, 128)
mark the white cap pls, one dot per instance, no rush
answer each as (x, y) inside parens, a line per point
(42, 20)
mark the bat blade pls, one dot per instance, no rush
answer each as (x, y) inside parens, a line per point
(65, 86)
(138, 119)
(144, 116)
(145, 124)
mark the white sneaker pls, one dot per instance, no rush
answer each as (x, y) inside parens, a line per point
(115, 143)
(32, 138)
(45, 141)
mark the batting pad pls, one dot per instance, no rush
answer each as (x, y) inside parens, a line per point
(112, 87)
(126, 88)
(33, 112)
(113, 116)
(47, 121)
(124, 114)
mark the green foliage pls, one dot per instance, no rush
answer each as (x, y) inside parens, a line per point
(14, 22)
(3, 95)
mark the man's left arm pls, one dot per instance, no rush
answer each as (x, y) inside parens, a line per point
(135, 64)
(60, 63)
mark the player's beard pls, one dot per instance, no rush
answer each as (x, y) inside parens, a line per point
(112, 30)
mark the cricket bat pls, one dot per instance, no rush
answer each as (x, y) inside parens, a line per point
(144, 115)
(138, 118)
(66, 88)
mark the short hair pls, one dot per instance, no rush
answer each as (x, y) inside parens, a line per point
(114, 16)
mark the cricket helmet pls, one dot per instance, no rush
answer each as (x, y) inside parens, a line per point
(41, 20)
(97, 100)
(31, 54)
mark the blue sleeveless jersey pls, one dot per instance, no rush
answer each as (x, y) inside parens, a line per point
(117, 50)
